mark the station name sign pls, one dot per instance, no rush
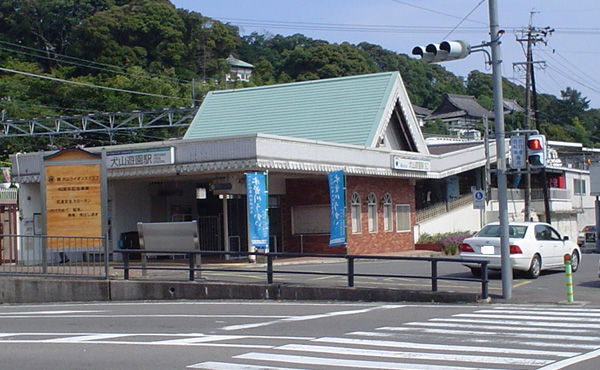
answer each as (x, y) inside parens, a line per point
(140, 158)
(400, 162)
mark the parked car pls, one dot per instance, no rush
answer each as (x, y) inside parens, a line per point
(534, 246)
(587, 236)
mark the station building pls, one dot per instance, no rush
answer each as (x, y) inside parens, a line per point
(297, 133)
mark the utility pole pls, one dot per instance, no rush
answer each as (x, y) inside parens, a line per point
(532, 35)
(495, 34)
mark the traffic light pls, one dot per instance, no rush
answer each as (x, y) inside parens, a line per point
(536, 151)
(442, 52)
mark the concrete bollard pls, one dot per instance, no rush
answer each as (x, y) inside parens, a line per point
(569, 275)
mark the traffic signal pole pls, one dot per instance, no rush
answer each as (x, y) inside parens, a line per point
(453, 50)
(495, 34)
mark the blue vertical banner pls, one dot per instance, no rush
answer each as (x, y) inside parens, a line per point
(258, 217)
(337, 199)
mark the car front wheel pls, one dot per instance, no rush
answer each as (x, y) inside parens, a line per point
(535, 268)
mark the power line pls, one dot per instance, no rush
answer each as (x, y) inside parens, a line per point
(344, 27)
(88, 63)
(436, 11)
(90, 85)
(464, 19)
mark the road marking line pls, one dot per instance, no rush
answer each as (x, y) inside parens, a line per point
(211, 365)
(86, 338)
(27, 314)
(307, 360)
(150, 315)
(524, 317)
(201, 339)
(441, 347)
(571, 361)
(120, 343)
(495, 341)
(522, 323)
(544, 313)
(520, 284)
(415, 355)
(495, 333)
(568, 310)
(309, 317)
(497, 327)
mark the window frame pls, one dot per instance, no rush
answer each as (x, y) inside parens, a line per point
(356, 213)
(579, 187)
(372, 216)
(399, 219)
(388, 213)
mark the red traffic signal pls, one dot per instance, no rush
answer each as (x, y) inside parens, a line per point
(536, 151)
(535, 144)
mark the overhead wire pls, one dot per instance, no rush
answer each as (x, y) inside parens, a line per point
(85, 63)
(464, 19)
(582, 73)
(90, 85)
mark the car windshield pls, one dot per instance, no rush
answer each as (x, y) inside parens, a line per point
(493, 231)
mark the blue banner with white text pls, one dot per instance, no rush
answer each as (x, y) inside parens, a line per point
(258, 217)
(337, 199)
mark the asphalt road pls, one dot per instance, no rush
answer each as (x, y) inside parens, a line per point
(252, 335)
(550, 287)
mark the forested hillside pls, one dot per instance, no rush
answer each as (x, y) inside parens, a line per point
(165, 54)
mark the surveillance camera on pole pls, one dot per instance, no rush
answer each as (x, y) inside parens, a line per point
(443, 52)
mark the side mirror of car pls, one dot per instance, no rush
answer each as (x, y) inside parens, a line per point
(566, 237)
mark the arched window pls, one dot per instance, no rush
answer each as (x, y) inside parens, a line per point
(388, 215)
(372, 211)
(356, 214)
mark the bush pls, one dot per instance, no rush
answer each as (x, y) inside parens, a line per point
(450, 241)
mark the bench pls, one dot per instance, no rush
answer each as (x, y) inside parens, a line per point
(165, 237)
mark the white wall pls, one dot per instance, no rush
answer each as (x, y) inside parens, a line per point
(30, 200)
(461, 219)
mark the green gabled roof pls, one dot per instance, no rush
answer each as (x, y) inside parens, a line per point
(346, 110)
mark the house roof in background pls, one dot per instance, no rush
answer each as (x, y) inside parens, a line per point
(421, 111)
(235, 62)
(511, 106)
(347, 110)
(454, 105)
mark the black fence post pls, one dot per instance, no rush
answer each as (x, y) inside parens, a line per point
(192, 261)
(269, 268)
(125, 265)
(484, 280)
(434, 275)
(350, 271)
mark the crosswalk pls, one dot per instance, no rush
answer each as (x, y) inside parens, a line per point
(502, 337)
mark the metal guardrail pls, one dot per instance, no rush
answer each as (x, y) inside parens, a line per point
(193, 267)
(73, 256)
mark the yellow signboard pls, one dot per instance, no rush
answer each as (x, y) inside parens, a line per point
(73, 203)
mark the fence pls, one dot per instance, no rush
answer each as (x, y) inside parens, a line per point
(194, 269)
(54, 256)
(443, 207)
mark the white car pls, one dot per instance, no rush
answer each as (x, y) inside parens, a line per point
(534, 246)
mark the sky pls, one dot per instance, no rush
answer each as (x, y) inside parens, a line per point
(568, 57)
